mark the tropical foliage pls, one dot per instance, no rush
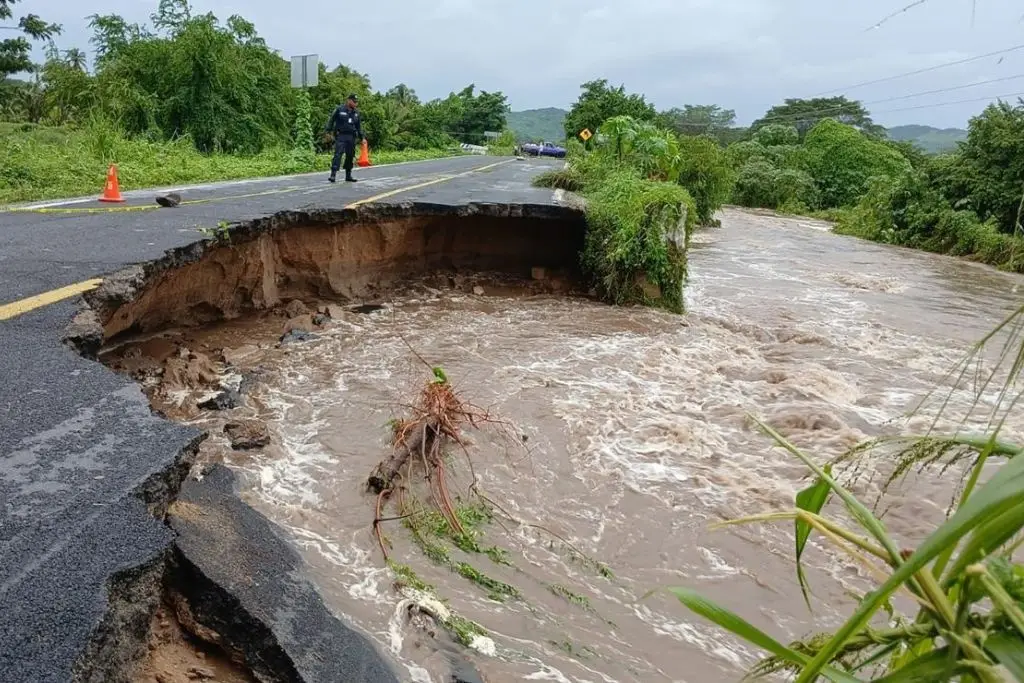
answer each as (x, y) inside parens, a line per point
(639, 215)
(217, 83)
(190, 97)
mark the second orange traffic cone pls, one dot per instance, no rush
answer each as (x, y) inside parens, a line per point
(112, 190)
(364, 155)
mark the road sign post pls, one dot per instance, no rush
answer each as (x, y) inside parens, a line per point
(305, 71)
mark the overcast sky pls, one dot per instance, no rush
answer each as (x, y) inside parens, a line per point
(742, 54)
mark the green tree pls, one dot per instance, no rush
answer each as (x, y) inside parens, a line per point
(218, 84)
(842, 160)
(600, 102)
(988, 174)
(698, 119)
(806, 114)
(68, 88)
(705, 172)
(16, 53)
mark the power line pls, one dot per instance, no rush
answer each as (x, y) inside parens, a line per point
(921, 71)
(896, 14)
(943, 104)
(941, 90)
(825, 113)
(839, 110)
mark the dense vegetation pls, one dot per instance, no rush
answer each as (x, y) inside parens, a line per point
(191, 83)
(639, 215)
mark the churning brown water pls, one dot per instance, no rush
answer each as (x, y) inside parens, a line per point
(638, 440)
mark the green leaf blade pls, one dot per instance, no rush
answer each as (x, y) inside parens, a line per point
(738, 626)
(1008, 650)
(811, 499)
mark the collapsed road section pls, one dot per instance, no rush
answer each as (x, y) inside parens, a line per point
(186, 549)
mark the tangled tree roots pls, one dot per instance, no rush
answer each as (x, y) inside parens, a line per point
(421, 445)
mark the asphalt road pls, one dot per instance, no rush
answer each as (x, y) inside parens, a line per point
(80, 451)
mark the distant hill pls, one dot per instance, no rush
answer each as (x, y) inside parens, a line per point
(930, 139)
(538, 124)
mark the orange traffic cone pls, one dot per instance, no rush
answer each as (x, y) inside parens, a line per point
(112, 190)
(364, 155)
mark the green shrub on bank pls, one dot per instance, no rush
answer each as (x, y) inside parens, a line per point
(762, 185)
(38, 162)
(638, 221)
(638, 232)
(908, 211)
(705, 172)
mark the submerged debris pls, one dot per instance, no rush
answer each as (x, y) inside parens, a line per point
(421, 443)
(225, 399)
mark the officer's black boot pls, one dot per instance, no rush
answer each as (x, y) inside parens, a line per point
(349, 178)
(332, 177)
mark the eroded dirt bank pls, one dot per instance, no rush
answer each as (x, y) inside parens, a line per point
(339, 255)
(294, 274)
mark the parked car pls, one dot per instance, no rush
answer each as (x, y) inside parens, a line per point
(545, 149)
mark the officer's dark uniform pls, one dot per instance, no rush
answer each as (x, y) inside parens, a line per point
(346, 126)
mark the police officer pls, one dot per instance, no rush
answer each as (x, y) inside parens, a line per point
(347, 128)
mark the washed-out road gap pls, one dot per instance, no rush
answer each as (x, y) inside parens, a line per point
(77, 439)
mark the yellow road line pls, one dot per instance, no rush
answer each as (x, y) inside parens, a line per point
(435, 181)
(16, 308)
(151, 207)
(8, 311)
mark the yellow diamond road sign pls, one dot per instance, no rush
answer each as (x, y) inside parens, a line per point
(586, 134)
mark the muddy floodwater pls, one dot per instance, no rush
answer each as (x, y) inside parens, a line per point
(636, 441)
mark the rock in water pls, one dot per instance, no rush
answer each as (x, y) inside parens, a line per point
(247, 434)
(295, 308)
(296, 336)
(222, 400)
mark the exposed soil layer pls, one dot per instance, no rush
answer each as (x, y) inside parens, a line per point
(176, 657)
(355, 254)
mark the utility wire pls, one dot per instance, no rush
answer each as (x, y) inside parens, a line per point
(895, 14)
(830, 111)
(943, 104)
(955, 87)
(921, 71)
